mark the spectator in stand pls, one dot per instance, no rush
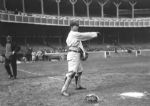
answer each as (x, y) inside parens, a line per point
(28, 52)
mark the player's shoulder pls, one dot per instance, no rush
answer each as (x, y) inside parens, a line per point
(73, 33)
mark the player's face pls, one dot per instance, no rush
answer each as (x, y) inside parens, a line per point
(75, 28)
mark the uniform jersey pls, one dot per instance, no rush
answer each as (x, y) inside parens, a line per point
(74, 41)
(8, 50)
(74, 38)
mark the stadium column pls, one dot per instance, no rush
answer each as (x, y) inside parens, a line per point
(132, 3)
(73, 2)
(103, 39)
(133, 37)
(4, 4)
(23, 6)
(60, 43)
(58, 7)
(25, 40)
(87, 3)
(118, 40)
(102, 4)
(1, 32)
(117, 4)
(42, 7)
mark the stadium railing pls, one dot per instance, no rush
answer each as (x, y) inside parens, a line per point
(65, 20)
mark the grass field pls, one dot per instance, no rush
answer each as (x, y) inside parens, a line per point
(39, 83)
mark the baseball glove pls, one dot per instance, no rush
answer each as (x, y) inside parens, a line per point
(83, 56)
(92, 98)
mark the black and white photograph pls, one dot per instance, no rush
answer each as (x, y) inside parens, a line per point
(74, 52)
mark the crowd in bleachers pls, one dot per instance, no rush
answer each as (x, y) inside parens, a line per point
(44, 53)
(48, 53)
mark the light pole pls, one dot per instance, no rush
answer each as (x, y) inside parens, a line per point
(73, 2)
(132, 3)
(58, 7)
(102, 4)
(87, 3)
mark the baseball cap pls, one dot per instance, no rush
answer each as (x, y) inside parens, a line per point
(74, 23)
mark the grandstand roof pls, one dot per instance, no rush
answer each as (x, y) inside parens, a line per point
(50, 7)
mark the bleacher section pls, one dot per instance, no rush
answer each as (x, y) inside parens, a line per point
(65, 20)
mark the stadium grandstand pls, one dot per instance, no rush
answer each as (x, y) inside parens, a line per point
(46, 22)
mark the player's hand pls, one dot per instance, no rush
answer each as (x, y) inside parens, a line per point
(98, 33)
(13, 52)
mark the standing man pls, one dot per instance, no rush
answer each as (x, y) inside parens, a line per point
(74, 43)
(11, 58)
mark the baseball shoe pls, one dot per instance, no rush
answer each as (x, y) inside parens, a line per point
(80, 88)
(65, 94)
(10, 77)
(15, 77)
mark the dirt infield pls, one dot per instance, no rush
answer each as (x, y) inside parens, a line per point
(39, 83)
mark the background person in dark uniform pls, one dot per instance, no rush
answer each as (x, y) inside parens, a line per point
(28, 53)
(11, 58)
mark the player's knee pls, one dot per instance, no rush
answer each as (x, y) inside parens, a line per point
(70, 75)
(79, 73)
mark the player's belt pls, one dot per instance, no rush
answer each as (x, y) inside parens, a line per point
(77, 51)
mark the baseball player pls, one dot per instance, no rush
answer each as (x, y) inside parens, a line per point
(74, 43)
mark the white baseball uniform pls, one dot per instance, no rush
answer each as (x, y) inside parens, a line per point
(74, 42)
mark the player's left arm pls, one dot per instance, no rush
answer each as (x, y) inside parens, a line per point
(83, 36)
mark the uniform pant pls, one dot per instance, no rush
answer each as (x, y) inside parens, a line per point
(74, 67)
(74, 62)
(10, 63)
